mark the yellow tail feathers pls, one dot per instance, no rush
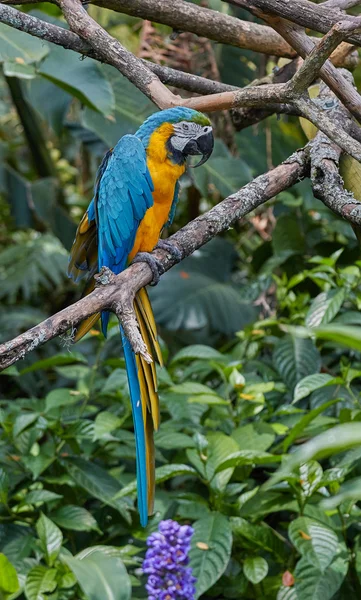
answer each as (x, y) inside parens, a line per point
(147, 378)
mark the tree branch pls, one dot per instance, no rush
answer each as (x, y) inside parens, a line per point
(116, 292)
(317, 17)
(304, 45)
(71, 41)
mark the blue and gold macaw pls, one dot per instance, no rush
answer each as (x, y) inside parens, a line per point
(135, 197)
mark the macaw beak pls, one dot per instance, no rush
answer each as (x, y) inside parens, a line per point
(202, 145)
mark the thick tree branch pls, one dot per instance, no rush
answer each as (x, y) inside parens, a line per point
(304, 45)
(185, 16)
(341, 4)
(71, 41)
(305, 13)
(327, 183)
(116, 292)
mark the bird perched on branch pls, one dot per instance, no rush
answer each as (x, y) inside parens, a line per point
(135, 197)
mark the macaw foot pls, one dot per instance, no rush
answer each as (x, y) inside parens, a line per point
(154, 264)
(169, 247)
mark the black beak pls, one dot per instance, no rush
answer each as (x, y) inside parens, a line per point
(202, 145)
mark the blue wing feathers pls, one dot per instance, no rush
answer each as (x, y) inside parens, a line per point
(122, 196)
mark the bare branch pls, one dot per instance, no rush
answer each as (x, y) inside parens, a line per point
(317, 17)
(341, 4)
(117, 291)
(313, 62)
(70, 40)
(303, 44)
(327, 183)
(185, 16)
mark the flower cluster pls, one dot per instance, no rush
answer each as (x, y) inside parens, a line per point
(165, 563)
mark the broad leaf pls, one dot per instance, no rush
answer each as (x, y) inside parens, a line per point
(295, 358)
(211, 550)
(339, 438)
(50, 537)
(317, 544)
(312, 583)
(101, 576)
(310, 384)
(255, 569)
(97, 482)
(39, 581)
(75, 518)
(9, 583)
(325, 307)
(161, 474)
(199, 351)
(15, 44)
(80, 78)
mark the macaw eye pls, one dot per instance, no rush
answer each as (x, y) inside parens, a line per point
(185, 126)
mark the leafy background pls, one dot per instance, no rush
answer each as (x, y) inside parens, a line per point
(260, 444)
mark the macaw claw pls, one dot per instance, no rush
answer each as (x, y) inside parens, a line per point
(155, 265)
(175, 253)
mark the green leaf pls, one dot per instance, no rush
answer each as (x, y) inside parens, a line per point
(254, 436)
(211, 550)
(83, 79)
(312, 583)
(9, 583)
(198, 351)
(15, 44)
(23, 421)
(50, 537)
(41, 496)
(55, 361)
(287, 593)
(101, 577)
(310, 477)
(339, 438)
(161, 474)
(287, 236)
(105, 422)
(199, 298)
(260, 537)
(39, 581)
(61, 397)
(310, 384)
(131, 109)
(340, 334)
(74, 518)
(12, 68)
(301, 425)
(219, 448)
(325, 307)
(225, 174)
(317, 543)
(295, 358)
(98, 483)
(191, 388)
(4, 486)
(350, 490)
(248, 457)
(172, 440)
(255, 569)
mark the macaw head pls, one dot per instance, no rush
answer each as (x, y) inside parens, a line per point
(184, 132)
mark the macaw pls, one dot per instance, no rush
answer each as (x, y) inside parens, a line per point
(135, 197)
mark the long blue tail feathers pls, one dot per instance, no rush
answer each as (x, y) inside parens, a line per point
(133, 381)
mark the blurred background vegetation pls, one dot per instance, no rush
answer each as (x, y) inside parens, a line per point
(243, 383)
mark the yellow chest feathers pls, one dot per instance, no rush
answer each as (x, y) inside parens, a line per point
(163, 172)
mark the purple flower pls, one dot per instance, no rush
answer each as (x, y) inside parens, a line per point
(165, 563)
